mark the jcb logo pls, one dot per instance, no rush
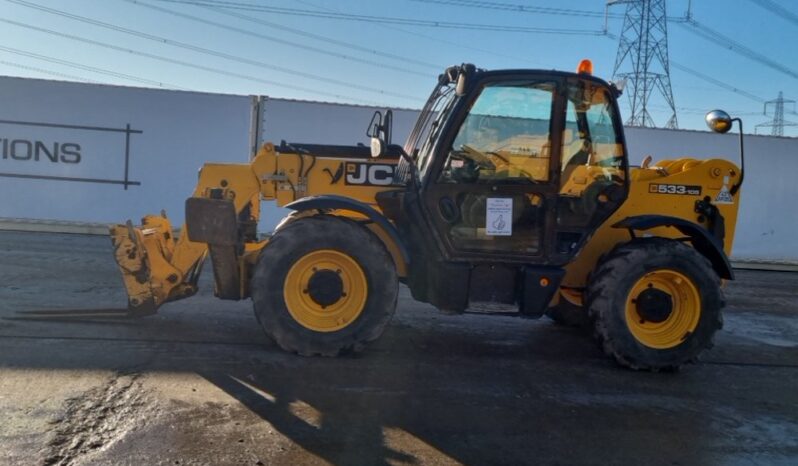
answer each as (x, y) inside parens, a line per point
(369, 174)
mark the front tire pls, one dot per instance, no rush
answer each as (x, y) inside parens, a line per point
(655, 303)
(324, 286)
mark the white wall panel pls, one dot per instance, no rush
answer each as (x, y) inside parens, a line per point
(171, 135)
(324, 123)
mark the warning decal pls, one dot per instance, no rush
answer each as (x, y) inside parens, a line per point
(724, 196)
(499, 216)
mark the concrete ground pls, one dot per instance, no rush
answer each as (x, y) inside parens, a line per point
(200, 384)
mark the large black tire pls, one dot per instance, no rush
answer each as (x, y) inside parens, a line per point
(307, 236)
(630, 265)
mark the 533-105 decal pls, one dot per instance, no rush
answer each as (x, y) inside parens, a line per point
(686, 190)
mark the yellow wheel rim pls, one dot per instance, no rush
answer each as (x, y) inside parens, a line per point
(333, 305)
(685, 309)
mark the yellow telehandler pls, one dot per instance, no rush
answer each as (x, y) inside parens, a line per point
(514, 187)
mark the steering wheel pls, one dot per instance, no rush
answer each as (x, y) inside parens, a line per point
(478, 157)
(486, 160)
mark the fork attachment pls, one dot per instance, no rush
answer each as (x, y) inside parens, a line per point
(151, 272)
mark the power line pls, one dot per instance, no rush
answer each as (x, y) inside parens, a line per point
(703, 111)
(519, 8)
(384, 19)
(716, 82)
(777, 10)
(186, 46)
(706, 78)
(522, 8)
(275, 39)
(186, 64)
(492, 53)
(92, 69)
(325, 39)
(727, 42)
(49, 72)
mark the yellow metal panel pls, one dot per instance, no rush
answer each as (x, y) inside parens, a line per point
(645, 197)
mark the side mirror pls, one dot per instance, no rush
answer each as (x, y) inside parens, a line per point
(466, 71)
(377, 147)
(379, 130)
(719, 121)
(461, 85)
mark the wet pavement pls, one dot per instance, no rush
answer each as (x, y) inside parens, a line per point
(200, 384)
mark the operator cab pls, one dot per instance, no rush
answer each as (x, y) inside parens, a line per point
(521, 164)
(512, 167)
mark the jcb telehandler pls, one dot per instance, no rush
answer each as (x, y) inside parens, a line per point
(514, 187)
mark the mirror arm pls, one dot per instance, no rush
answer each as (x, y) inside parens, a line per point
(412, 163)
(736, 187)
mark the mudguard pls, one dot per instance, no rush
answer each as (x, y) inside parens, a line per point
(701, 239)
(333, 202)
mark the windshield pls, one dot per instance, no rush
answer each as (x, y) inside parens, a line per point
(428, 125)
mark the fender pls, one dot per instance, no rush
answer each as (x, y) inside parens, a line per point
(333, 202)
(701, 239)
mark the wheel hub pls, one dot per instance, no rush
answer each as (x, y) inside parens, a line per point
(325, 290)
(662, 308)
(654, 305)
(325, 287)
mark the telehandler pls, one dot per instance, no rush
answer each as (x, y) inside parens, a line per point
(514, 187)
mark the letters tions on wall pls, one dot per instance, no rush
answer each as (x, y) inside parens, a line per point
(52, 151)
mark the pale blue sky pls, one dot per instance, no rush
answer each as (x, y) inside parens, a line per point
(305, 57)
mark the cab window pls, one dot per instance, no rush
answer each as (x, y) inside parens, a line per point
(505, 138)
(590, 137)
(593, 171)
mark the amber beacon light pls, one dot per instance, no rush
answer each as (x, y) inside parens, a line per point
(585, 67)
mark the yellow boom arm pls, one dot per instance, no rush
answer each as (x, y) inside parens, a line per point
(158, 267)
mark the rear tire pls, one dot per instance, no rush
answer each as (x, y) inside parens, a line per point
(324, 286)
(655, 303)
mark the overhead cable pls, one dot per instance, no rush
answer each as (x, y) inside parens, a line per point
(259, 35)
(521, 8)
(385, 19)
(193, 48)
(716, 82)
(49, 72)
(705, 77)
(185, 64)
(92, 69)
(434, 38)
(727, 42)
(325, 39)
(777, 10)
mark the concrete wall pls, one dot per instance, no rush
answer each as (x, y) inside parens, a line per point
(173, 133)
(325, 123)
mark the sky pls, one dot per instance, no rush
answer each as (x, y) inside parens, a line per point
(353, 51)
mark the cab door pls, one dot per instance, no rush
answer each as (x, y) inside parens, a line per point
(492, 195)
